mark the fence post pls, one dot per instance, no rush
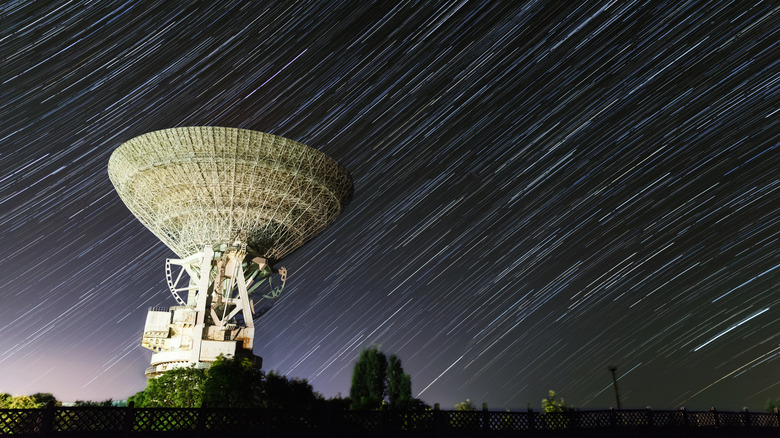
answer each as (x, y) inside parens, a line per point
(385, 420)
(650, 419)
(47, 428)
(485, 419)
(437, 419)
(127, 427)
(746, 413)
(268, 419)
(200, 425)
(531, 418)
(612, 418)
(685, 416)
(777, 414)
(715, 416)
(327, 422)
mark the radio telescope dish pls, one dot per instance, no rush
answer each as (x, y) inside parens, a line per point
(230, 203)
(202, 185)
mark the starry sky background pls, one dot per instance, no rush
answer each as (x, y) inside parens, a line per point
(542, 190)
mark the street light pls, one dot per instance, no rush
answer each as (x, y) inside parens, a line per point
(614, 382)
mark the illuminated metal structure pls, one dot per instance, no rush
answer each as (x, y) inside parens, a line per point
(230, 203)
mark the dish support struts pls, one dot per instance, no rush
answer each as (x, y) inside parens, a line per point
(217, 316)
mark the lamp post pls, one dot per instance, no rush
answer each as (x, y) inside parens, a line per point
(614, 382)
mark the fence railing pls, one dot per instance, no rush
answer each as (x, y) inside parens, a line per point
(131, 421)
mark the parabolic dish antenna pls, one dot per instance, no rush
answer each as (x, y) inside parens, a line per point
(204, 185)
(230, 203)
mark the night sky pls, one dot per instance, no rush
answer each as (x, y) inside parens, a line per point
(542, 190)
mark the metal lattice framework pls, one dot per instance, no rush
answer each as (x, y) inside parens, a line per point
(119, 421)
(203, 185)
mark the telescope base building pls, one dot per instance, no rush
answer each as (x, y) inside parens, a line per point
(170, 334)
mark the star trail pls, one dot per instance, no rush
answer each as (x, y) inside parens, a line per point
(542, 190)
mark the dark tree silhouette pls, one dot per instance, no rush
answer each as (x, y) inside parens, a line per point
(399, 385)
(377, 383)
(94, 404)
(228, 383)
(233, 383)
(283, 393)
(772, 405)
(43, 398)
(368, 380)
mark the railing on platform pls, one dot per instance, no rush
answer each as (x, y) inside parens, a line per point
(131, 421)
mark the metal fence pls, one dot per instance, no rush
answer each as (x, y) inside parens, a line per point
(138, 422)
